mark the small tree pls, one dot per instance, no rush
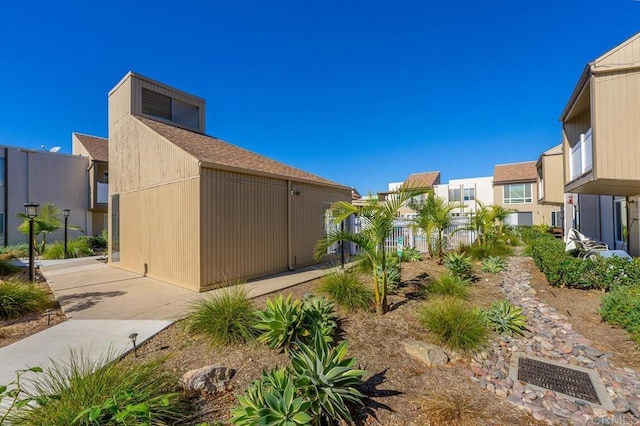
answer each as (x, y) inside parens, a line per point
(434, 215)
(378, 219)
(488, 222)
(47, 221)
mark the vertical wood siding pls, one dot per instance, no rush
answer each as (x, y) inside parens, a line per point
(244, 226)
(617, 130)
(307, 218)
(553, 183)
(160, 227)
(628, 53)
(140, 158)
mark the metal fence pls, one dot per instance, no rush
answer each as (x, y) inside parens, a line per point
(455, 235)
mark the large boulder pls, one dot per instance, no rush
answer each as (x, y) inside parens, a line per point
(427, 353)
(210, 379)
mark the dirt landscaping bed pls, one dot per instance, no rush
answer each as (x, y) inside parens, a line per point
(396, 384)
(13, 330)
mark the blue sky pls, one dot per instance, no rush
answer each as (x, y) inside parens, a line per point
(363, 93)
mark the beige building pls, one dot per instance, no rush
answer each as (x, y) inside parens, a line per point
(515, 188)
(96, 149)
(424, 181)
(194, 210)
(601, 149)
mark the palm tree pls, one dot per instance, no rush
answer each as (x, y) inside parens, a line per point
(47, 221)
(485, 221)
(378, 218)
(434, 215)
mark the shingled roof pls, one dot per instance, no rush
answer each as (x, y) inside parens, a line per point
(213, 151)
(422, 180)
(515, 172)
(98, 148)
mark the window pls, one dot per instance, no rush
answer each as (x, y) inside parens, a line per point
(469, 194)
(115, 228)
(556, 219)
(517, 193)
(167, 108)
(156, 104)
(620, 218)
(454, 195)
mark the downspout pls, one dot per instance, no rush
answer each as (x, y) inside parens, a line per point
(289, 230)
(6, 196)
(90, 200)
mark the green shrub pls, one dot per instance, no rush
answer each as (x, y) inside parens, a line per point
(456, 324)
(346, 289)
(411, 254)
(622, 307)
(226, 319)
(505, 318)
(564, 270)
(481, 252)
(449, 285)
(459, 264)
(97, 242)
(18, 298)
(78, 247)
(14, 252)
(91, 393)
(493, 265)
(327, 379)
(530, 233)
(286, 322)
(6, 267)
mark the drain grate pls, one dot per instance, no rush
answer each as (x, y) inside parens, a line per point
(558, 379)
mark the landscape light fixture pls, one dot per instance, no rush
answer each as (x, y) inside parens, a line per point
(133, 337)
(48, 314)
(31, 211)
(65, 213)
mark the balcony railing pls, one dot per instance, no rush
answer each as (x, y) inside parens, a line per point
(581, 159)
(102, 193)
(541, 189)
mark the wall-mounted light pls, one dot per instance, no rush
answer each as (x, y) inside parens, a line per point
(296, 192)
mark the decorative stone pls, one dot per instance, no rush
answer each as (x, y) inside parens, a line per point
(210, 379)
(621, 405)
(427, 353)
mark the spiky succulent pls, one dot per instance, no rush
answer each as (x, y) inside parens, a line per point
(505, 318)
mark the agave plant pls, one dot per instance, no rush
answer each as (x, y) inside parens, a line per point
(287, 321)
(493, 264)
(272, 400)
(459, 264)
(281, 323)
(327, 378)
(319, 314)
(506, 318)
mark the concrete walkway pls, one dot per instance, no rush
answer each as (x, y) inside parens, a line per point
(106, 304)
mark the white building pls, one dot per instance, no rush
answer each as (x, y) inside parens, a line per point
(467, 192)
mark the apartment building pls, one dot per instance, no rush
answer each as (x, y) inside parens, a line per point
(601, 154)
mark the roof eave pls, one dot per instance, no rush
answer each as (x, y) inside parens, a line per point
(577, 90)
(227, 168)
